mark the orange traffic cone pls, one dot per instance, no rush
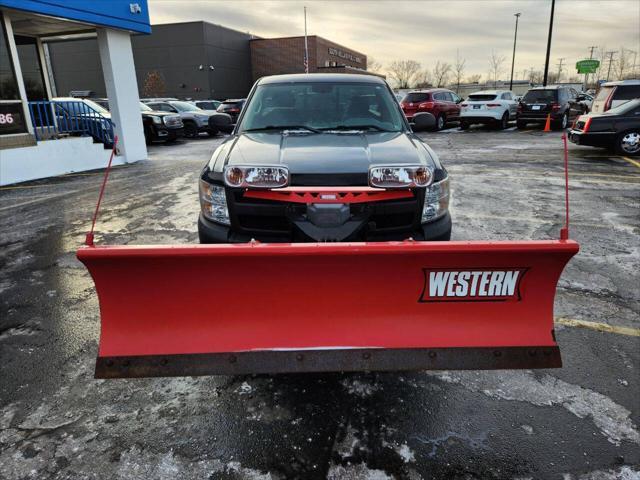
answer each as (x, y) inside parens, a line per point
(547, 126)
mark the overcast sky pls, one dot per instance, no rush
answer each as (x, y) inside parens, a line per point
(430, 30)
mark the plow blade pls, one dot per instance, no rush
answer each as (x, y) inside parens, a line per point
(270, 308)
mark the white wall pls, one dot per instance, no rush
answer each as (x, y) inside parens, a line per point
(120, 81)
(53, 157)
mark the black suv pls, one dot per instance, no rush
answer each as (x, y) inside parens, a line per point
(324, 157)
(232, 107)
(158, 126)
(561, 103)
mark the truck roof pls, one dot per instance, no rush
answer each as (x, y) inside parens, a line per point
(321, 77)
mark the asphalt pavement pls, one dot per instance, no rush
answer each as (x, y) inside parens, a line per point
(577, 422)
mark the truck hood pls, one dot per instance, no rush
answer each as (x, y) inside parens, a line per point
(323, 153)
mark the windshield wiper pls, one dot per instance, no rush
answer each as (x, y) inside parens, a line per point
(282, 127)
(358, 127)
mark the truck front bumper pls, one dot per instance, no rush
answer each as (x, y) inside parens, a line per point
(212, 232)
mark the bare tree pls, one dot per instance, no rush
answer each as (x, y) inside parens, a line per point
(535, 76)
(475, 78)
(441, 72)
(373, 65)
(624, 62)
(601, 58)
(154, 85)
(458, 70)
(424, 79)
(404, 72)
(496, 63)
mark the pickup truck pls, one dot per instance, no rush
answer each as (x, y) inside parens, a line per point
(324, 157)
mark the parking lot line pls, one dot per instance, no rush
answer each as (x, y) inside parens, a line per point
(598, 326)
(632, 161)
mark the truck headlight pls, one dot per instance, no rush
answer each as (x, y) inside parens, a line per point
(436, 200)
(157, 120)
(237, 176)
(213, 202)
(400, 176)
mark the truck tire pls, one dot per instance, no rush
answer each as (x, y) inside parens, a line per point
(190, 129)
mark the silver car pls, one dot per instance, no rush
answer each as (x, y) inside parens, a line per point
(195, 119)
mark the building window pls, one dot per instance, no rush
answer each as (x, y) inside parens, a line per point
(326, 63)
(11, 112)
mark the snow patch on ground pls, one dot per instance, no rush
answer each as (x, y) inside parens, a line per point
(610, 418)
(623, 473)
(406, 453)
(356, 472)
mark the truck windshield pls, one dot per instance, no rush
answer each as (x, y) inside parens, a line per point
(323, 106)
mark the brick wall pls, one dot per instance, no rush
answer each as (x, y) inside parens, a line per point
(275, 56)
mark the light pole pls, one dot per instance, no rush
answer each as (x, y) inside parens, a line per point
(513, 58)
(546, 61)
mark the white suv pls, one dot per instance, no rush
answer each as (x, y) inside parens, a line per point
(612, 94)
(494, 107)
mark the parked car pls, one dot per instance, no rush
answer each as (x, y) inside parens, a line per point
(232, 107)
(158, 99)
(612, 94)
(495, 107)
(443, 104)
(558, 101)
(617, 129)
(195, 120)
(585, 99)
(329, 130)
(207, 104)
(157, 125)
(160, 125)
(82, 116)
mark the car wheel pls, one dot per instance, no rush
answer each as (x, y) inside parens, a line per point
(440, 122)
(563, 123)
(190, 130)
(464, 126)
(504, 121)
(628, 143)
(521, 125)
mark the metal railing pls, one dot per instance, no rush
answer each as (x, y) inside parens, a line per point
(56, 118)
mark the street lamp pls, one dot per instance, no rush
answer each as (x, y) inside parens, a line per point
(513, 59)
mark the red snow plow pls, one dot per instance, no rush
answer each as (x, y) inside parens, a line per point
(309, 307)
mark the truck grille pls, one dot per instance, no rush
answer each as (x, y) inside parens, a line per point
(173, 121)
(258, 217)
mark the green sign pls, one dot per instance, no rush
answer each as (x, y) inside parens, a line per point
(587, 66)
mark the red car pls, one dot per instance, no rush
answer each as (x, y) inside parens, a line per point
(440, 102)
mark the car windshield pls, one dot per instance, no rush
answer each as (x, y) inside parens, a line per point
(98, 108)
(184, 107)
(323, 106)
(145, 108)
(416, 97)
(540, 96)
(624, 108)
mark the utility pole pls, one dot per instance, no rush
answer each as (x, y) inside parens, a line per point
(560, 62)
(306, 45)
(611, 54)
(586, 75)
(546, 60)
(513, 58)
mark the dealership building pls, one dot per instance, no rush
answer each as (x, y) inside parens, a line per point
(199, 60)
(42, 138)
